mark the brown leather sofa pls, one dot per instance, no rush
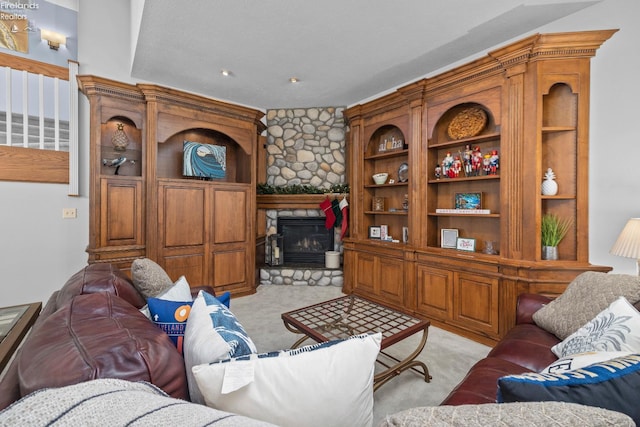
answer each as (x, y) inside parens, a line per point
(92, 328)
(525, 348)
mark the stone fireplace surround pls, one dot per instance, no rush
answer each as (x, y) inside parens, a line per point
(305, 146)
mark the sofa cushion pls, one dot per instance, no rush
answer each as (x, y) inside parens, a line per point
(99, 336)
(99, 278)
(481, 382)
(522, 342)
(610, 385)
(592, 292)
(112, 402)
(616, 328)
(328, 384)
(180, 291)
(212, 333)
(149, 278)
(509, 414)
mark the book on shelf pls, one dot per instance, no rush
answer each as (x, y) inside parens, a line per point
(465, 211)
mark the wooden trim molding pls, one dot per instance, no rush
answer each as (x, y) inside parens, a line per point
(29, 165)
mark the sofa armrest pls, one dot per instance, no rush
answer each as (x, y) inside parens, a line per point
(529, 304)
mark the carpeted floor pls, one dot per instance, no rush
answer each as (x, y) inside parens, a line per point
(447, 355)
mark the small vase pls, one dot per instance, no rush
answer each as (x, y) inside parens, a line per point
(549, 185)
(550, 253)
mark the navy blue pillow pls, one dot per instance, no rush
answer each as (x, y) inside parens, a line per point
(171, 317)
(610, 385)
(225, 298)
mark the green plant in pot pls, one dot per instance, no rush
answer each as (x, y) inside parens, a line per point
(553, 230)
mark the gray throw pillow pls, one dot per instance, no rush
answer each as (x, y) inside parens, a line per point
(585, 297)
(149, 278)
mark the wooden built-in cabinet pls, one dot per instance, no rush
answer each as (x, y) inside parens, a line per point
(528, 103)
(202, 229)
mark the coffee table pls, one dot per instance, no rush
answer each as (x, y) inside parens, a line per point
(349, 315)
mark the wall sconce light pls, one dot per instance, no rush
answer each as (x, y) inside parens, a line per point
(628, 243)
(54, 39)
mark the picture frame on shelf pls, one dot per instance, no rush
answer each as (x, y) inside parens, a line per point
(405, 234)
(448, 238)
(374, 232)
(384, 232)
(468, 200)
(466, 244)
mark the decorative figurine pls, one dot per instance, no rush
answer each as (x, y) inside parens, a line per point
(456, 167)
(467, 158)
(549, 185)
(494, 162)
(476, 161)
(486, 164)
(447, 162)
(438, 172)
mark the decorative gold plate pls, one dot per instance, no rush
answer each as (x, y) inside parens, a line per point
(467, 123)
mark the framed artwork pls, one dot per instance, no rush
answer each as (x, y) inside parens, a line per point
(448, 237)
(468, 201)
(205, 161)
(405, 234)
(374, 232)
(465, 244)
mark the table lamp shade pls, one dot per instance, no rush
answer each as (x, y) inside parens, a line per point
(628, 243)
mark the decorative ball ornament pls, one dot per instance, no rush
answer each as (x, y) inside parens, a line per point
(119, 138)
(549, 185)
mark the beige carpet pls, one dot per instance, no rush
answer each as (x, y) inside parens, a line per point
(447, 355)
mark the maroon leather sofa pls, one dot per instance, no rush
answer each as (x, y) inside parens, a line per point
(92, 328)
(525, 348)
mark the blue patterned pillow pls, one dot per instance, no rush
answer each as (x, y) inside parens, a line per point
(171, 317)
(226, 324)
(610, 385)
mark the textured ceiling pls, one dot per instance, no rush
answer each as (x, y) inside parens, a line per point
(343, 51)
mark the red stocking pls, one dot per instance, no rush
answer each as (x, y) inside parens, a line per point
(343, 207)
(331, 218)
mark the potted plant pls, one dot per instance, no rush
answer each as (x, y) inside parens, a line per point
(553, 230)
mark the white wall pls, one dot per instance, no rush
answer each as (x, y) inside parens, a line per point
(39, 250)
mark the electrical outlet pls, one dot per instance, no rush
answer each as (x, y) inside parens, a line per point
(69, 213)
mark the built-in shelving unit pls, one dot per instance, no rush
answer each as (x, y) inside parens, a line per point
(526, 105)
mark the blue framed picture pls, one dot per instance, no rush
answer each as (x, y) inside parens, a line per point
(205, 161)
(468, 200)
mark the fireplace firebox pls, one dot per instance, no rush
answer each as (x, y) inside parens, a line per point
(305, 240)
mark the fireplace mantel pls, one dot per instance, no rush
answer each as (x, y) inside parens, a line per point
(293, 201)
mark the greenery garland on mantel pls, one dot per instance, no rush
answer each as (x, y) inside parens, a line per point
(301, 189)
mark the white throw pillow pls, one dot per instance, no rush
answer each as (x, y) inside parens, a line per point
(616, 328)
(212, 333)
(581, 360)
(327, 384)
(180, 291)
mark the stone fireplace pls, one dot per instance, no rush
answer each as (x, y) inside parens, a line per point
(305, 240)
(305, 146)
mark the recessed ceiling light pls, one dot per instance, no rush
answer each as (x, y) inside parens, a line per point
(225, 73)
(294, 80)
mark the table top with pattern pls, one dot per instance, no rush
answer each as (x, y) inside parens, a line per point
(349, 315)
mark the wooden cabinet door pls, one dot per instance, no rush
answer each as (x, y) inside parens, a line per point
(121, 212)
(229, 216)
(434, 292)
(365, 274)
(390, 277)
(183, 231)
(476, 302)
